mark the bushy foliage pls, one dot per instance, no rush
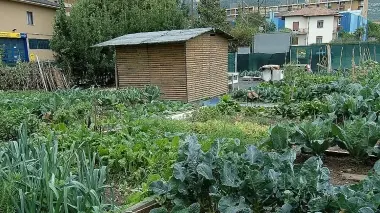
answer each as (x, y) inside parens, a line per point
(95, 21)
(254, 181)
(22, 76)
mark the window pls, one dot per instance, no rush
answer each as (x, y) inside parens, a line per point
(296, 26)
(319, 39)
(320, 24)
(294, 40)
(42, 44)
(29, 18)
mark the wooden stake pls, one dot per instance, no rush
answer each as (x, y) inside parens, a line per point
(374, 51)
(42, 75)
(341, 55)
(329, 58)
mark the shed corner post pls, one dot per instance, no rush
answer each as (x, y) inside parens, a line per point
(116, 72)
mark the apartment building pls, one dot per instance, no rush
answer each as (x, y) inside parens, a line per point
(312, 25)
(26, 28)
(286, 6)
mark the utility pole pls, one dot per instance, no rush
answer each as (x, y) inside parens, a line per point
(192, 13)
(242, 11)
(258, 6)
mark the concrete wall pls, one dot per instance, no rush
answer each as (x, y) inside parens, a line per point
(13, 16)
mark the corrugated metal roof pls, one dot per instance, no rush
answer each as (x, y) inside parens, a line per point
(159, 37)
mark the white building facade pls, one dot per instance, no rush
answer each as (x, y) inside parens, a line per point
(312, 25)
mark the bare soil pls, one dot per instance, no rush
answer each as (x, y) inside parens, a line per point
(343, 166)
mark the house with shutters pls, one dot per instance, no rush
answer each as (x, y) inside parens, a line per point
(312, 25)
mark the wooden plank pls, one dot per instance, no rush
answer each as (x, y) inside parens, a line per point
(162, 65)
(207, 63)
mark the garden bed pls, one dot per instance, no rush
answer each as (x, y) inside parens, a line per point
(343, 169)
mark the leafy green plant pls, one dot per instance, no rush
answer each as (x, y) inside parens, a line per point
(240, 94)
(357, 136)
(255, 181)
(152, 92)
(314, 135)
(227, 106)
(279, 137)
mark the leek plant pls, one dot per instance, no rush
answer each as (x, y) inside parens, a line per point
(39, 178)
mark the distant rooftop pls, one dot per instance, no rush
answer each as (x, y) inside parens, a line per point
(308, 12)
(172, 36)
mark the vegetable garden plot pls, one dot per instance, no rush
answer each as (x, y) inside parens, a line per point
(227, 158)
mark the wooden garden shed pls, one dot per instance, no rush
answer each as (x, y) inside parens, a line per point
(187, 65)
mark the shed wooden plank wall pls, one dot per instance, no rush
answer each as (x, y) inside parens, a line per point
(206, 66)
(132, 66)
(163, 65)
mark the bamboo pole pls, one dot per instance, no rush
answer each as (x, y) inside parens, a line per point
(353, 63)
(319, 57)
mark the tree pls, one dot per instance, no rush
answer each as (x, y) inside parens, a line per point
(270, 27)
(346, 37)
(359, 33)
(212, 15)
(247, 25)
(374, 30)
(94, 21)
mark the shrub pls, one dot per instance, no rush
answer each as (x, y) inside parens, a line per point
(10, 120)
(22, 76)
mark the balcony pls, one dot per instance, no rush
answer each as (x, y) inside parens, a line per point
(300, 31)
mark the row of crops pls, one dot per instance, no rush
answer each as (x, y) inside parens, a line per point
(104, 150)
(94, 150)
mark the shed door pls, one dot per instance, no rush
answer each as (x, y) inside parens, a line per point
(296, 26)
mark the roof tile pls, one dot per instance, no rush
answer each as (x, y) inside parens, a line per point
(314, 11)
